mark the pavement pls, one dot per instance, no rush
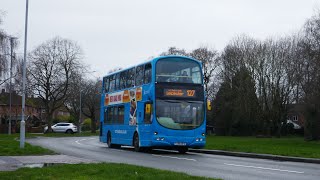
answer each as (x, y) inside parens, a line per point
(11, 163)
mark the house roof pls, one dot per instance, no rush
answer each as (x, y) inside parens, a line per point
(16, 99)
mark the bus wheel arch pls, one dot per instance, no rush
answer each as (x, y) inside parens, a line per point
(109, 139)
(135, 142)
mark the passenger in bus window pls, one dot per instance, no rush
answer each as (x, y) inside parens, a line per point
(185, 78)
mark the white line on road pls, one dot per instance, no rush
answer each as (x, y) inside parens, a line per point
(78, 141)
(174, 157)
(272, 169)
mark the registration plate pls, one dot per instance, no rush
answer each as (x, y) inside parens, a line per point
(180, 144)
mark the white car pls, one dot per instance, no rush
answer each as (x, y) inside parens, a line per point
(295, 125)
(63, 127)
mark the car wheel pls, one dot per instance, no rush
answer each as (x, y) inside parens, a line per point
(69, 131)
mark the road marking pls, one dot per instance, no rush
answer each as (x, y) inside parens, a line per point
(174, 157)
(272, 169)
(78, 141)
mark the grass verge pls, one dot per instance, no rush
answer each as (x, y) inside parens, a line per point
(11, 147)
(94, 171)
(287, 146)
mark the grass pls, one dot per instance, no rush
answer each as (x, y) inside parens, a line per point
(94, 171)
(287, 146)
(11, 147)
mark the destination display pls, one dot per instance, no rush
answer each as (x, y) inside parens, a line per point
(179, 93)
(172, 91)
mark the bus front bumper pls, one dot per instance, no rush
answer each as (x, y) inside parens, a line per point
(170, 141)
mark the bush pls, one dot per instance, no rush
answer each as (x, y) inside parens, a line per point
(86, 126)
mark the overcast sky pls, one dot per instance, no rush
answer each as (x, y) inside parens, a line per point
(122, 33)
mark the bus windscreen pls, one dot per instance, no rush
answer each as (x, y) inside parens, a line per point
(178, 70)
(179, 114)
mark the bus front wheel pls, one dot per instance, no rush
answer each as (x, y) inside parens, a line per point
(182, 150)
(136, 146)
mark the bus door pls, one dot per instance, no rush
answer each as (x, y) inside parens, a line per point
(144, 120)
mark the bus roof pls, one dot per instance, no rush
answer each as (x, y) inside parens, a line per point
(153, 60)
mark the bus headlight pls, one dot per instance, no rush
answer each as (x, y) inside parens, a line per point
(160, 139)
(203, 134)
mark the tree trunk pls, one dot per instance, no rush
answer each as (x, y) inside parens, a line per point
(93, 124)
(49, 120)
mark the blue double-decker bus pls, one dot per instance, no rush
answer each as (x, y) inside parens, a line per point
(157, 104)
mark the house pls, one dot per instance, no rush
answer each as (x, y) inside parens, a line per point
(35, 115)
(31, 112)
(295, 115)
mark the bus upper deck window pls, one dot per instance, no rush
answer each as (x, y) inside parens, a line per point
(147, 74)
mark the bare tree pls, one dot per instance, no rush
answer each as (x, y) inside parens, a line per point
(209, 59)
(52, 65)
(8, 45)
(310, 68)
(114, 70)
(72, 102)
(270, 64)
(174, 51)
(91, 101)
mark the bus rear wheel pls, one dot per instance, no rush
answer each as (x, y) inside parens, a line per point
(109, 142)
(110, 145)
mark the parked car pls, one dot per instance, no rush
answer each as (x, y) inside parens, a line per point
(63, 127)
(294, 125)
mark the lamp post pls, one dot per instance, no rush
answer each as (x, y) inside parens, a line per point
(22, 124)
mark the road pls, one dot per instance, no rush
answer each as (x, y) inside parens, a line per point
(225, 167)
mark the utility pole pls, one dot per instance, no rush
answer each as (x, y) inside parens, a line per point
(23, 123)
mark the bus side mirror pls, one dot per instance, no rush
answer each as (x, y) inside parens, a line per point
(209, 105)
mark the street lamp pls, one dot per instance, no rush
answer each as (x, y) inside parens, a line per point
(22, 124)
